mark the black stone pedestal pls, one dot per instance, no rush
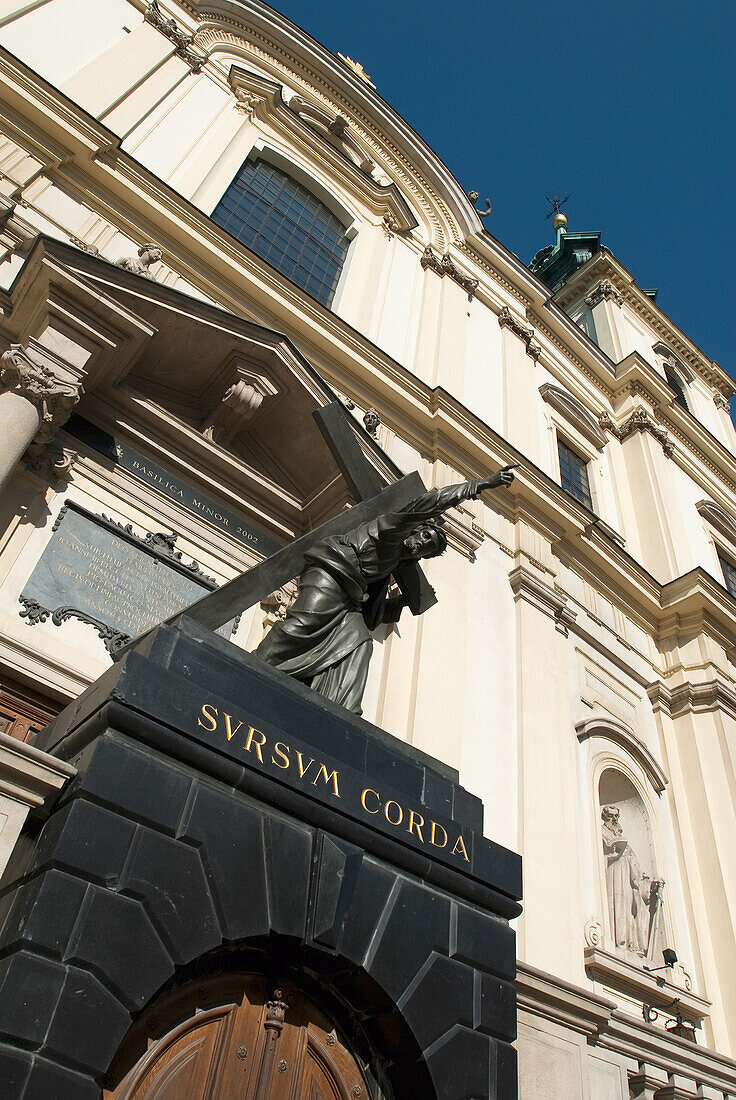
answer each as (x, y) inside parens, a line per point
(218, 805)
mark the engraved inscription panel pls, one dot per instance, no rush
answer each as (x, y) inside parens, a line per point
(97, 572)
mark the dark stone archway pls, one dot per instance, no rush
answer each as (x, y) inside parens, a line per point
(176, 840)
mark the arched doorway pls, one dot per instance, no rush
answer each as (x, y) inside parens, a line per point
(236, 1036)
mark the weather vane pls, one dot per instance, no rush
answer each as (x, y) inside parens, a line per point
(556, 203)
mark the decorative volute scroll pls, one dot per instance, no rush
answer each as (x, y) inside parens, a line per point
(506, 319)
(240, 402)
(574, 412)
(54, 390)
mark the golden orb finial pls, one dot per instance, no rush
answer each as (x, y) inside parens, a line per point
(559, 221)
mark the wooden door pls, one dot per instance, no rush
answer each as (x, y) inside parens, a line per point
(229, 1039)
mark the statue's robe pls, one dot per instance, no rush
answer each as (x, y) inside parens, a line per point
(325, 640)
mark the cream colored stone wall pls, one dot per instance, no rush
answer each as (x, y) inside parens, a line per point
(559, 646)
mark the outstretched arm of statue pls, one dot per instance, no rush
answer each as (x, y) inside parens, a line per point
(435, 503)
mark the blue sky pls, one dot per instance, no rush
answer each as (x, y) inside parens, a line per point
(628, 107)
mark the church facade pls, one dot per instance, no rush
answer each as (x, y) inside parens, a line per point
(210, 228)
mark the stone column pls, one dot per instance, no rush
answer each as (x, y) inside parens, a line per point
(37, 395)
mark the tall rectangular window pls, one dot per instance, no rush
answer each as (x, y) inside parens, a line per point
(574, 474)
(284, 224)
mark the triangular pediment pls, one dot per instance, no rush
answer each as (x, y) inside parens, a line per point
(232, 398)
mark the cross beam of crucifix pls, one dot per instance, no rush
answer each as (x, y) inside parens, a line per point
(249, 588)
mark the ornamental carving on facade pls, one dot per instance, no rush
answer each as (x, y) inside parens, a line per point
(506, 319)
(240, 402)
(53, 396)
(182, 41)
(603, 291)
(721, 401)
(336, 129)
(391, 225)
(372, 422)
(640, 421)
(593, 933)
(148, 254)
(444, 265)
(52, 463)
(246, 102)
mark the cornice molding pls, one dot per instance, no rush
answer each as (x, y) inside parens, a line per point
(506, 319)
(276, 45)
(30, 776)
(689, 698)
(575, 412)
(719, 518)
(618, 973)
(613, 730)
(605, 267)
(527, 586)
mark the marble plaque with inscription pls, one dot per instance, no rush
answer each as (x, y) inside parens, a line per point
(104, 574)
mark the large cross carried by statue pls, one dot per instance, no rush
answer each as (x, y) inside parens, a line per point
(345, 566)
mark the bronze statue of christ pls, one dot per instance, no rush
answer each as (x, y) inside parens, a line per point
(325, 640)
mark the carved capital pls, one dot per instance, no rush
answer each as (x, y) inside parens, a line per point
(721, 401)
(506, 319)
(444, 265)
(53, 395)
(181, 40)
(641, 420)
(278, 603)
(605, 290)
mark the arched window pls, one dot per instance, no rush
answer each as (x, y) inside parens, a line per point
(678, 375)
(633, 887)
(677, 386)
(284, 224)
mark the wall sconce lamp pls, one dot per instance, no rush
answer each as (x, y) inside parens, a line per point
(674, 1024)
(670, 958)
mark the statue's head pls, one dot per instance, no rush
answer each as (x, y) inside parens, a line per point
(610, 813)
(150, 253)
(427, 541)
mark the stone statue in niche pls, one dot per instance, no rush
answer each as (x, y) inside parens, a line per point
(325, 638)
(633, 897)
